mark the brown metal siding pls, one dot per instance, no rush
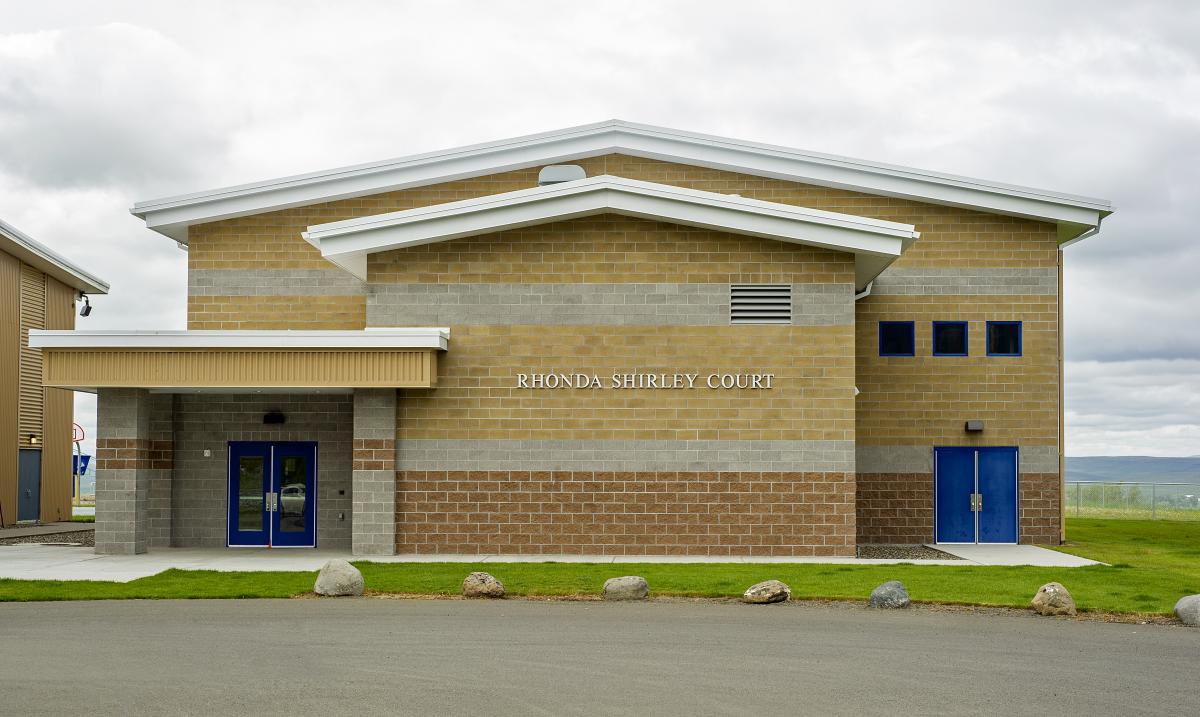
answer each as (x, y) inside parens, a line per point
(33, 316)
(10, 344)
(59, 415)
(249, 368)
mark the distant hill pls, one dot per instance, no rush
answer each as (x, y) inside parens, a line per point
(1134, 468)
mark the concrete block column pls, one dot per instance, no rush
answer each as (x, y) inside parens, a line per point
(123, 470)
(373, 504)
(161, 472)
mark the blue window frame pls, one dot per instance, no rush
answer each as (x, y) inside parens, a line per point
(897, 338)
(950, 338)
(1003, 338)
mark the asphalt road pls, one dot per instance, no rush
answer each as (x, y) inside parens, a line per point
(370, 656)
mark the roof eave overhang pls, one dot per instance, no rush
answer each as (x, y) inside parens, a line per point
(15, 242)
(874, 243)
(172, 216)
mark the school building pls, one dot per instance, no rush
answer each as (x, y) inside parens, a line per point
(613, 339)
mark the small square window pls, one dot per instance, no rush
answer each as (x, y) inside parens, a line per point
(1004, 338)
(949, 338)
(897, 338)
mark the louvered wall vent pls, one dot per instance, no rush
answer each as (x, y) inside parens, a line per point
(760, 303)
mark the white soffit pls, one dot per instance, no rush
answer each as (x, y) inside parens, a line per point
(397, 338)
(1073, 214)
(19, 244)
(875, 243)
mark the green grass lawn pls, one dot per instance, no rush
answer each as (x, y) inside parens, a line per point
(1153, 564)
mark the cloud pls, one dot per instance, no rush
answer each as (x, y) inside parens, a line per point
(1133, 408)
(114, 104)
(102, 104)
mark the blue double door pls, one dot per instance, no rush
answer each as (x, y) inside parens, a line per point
(272, 494)
(975, 495)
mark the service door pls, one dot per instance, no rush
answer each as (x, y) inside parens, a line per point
(975, 495)
(29, 484)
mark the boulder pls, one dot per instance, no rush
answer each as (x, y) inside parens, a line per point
(766, 592)
(338, 578)
(1188, 610)
(890, 595)
(630, 587)
(482, 585)
(1053, 599)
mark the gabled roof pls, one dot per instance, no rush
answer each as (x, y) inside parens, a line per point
(1074, 215)
(874, 243)
(17, 243)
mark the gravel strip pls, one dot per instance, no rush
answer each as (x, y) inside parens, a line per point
(83, 537)
(903, 552)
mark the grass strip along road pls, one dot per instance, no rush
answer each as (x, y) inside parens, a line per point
(1151, 565)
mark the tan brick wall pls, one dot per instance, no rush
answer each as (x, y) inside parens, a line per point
(611, 249)
(277, 312)
(477, 395)
(951, 237)
(925, 399)
(659, 513)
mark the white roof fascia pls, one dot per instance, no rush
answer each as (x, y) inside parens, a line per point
(389, 338)
(875, 242)
(172, 215)
(41, 257)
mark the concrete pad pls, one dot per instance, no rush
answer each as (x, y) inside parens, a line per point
(985, 554)
(24, 531)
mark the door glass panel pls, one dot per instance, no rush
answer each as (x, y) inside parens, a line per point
(293, 475)
(250, 493)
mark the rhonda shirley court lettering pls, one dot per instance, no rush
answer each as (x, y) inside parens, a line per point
(621, 381)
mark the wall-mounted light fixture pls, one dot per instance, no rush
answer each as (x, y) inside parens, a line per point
(33, 439)
(86, 309)
(274, 417)
(974, 427)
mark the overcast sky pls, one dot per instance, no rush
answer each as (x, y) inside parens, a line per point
(106, 103)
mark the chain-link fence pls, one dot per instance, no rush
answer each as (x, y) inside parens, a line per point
(1158, 501)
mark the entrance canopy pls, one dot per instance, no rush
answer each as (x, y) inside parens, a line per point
(874, 243)
(197, 360)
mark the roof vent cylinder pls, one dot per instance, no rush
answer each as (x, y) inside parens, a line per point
(559, 173)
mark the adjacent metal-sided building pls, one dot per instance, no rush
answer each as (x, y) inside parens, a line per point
(38, 290)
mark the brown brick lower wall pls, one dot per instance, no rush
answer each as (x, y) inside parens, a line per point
(133, 453)
(374, 454)
(897, 508)
(645, 513)
(1041, 503)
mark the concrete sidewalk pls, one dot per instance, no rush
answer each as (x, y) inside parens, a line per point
(53, 562)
